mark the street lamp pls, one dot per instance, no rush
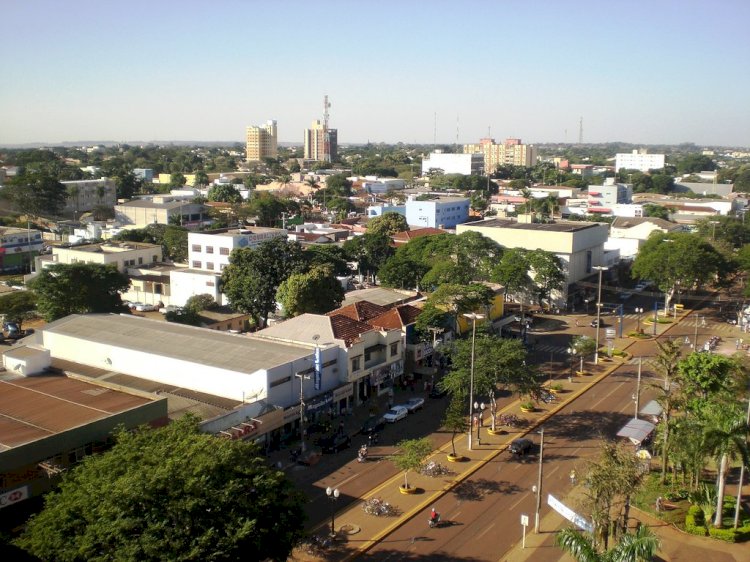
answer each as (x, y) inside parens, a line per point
(639, 311)
(539, 481)
(474, 316)
(333, 495)
(600, 269)
(695, 335)
(479, 409)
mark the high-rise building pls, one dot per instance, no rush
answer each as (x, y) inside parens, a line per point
(321, 143)
(261, 142)
(639, 160)
(511, 153)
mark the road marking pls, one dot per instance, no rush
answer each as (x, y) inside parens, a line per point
(603, 399)
(524, 497)
(487, 530)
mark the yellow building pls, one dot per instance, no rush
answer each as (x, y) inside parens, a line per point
(166, 178)
(261, 142)
(494, 312)
(510, 153)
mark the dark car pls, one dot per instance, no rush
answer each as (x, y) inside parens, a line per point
(437, 391)
(334, 443)
(373, 424)
(521, 446)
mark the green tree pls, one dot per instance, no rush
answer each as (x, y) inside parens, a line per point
(656, 211)
(201, 178)
(79, 288)
(177, 180)
(640, 546)
(512, 272)
(431, 318)
(316, 291)
(666, 364)
(388, 223)
(676, 262)
(172, 492)
(35, 193)
(459, 299)
(693, 163)
(401, 272)
(331, 256)
(267, 208)
(253, 276)
(224, 193)
(18, 306)
(410, 456)
(547, 273)
(583, 346)
(454, 419)
(370, 251)
(175, 243)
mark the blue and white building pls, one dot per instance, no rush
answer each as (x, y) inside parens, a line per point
(442, 212)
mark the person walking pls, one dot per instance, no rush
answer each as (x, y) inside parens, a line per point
(573, 477)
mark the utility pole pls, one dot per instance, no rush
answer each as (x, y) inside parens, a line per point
(539, 481)
(637, 397)
(302, 378)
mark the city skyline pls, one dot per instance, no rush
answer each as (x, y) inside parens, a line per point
(636, 72)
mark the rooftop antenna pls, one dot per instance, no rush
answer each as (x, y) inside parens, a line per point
(580, 131)
(434, 131)
(326, 134)
(456, 131)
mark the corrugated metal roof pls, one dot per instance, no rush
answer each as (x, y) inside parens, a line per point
(188, 343)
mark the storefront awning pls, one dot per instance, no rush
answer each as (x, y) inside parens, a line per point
(636, 430)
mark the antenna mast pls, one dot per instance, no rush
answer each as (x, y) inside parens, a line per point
(326, 134)
(580, 131)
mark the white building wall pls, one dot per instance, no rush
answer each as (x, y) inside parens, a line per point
(167, 370)
(186, 283)
(465, 164)
(639, 161)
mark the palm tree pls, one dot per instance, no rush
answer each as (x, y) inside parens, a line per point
(725, 438)
(632, 547)
(666, 364)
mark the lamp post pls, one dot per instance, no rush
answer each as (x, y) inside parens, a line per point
(473, 316)
(539, 481)
(333, 495)
(600, 269)
(695, 335)
(479, 409)
(639, 311)
(637, 394)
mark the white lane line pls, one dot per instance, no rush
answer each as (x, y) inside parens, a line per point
(487, 530)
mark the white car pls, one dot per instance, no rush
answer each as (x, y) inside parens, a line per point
(142, 307)
(396, 413)
(414, 404)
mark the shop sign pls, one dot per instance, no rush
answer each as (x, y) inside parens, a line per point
(14, 496)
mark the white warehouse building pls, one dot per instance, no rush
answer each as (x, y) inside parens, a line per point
(465, 164)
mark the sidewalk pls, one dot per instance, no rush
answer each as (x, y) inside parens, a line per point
(357, 531)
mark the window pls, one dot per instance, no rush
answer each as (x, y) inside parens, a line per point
(356, 363)
(140, 261)
(196, 247)
(196, 265)
(154, 258)
(280, 382)
(224, 251)
(209, 249)
(210, 284)
(394, 349)
(210, 265)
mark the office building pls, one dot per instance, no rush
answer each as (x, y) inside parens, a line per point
(639, 160)
(321, 143)
(447, 163)
(261, 142)
(511, 153)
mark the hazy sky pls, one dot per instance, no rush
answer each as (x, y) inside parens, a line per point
(640, 71)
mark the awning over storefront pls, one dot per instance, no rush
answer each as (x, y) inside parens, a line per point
(651, 409)
(636, 430)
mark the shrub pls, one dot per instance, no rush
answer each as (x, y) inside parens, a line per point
(676, 495)
(694, 523)
(728, 535)
(527, 405)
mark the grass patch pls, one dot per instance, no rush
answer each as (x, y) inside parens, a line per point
(639, 335)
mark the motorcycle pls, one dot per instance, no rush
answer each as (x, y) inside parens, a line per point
(372, 439)
(434, 521)
(362, 454)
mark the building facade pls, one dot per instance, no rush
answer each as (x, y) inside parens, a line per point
(465, 164)
(85, 195)
(164, 209)
(639, 160)
(120, 254)
(510, 153)
(18, 248)
(602, 198)
(261, 142)
(445, 212)
(321, 143)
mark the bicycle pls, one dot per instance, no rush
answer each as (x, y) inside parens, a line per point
(379, 508)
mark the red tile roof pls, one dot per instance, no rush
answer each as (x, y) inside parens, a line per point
(361, 311)
(347, 329)
(406, 235)
(396, 318)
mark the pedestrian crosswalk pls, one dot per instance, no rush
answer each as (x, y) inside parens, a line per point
(546, 348)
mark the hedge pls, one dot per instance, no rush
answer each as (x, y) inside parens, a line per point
(728, 535)
(694, 522)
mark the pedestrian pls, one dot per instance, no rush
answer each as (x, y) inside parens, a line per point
(573, 476)
(658, 504)
(577, 324)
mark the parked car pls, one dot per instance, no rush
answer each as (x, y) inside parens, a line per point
(334, 443)
(414, 404)
(625, 296)
(170, 308)
(437, 392)
(397, 412)
(373, 424)
(521, 446)
(142, 307)
(595, 323)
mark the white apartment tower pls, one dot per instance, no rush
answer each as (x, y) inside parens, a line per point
(261, 141)
(639, 160)
(511, 153)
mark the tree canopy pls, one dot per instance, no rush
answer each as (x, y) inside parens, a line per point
(316, 291)
(18, 306)
(224, 193)
(253, 275)
(79, 288)
(388, 223)
(170, 493)
(35, 193)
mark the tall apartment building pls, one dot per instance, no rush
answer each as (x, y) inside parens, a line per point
(511, 153)
(321, 143)
(639, 160)
(261, 142)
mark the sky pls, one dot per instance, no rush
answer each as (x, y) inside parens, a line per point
(412, 71)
